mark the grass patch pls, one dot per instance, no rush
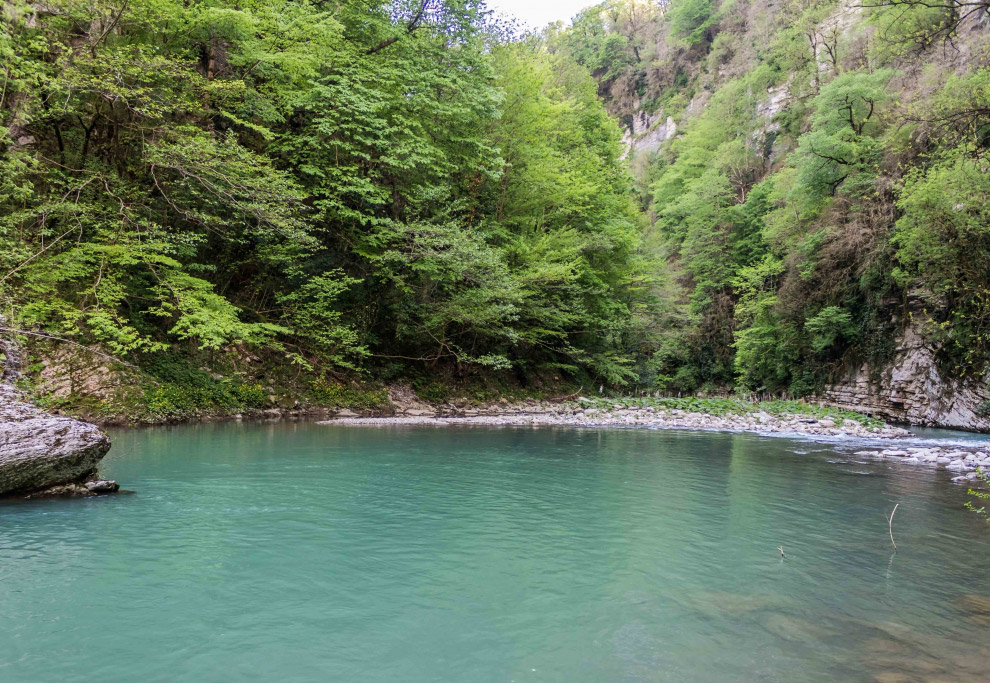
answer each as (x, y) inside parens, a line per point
(432, 392)
(168, 402)
(336, 395)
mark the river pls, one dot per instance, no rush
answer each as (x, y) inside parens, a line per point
(299, 552)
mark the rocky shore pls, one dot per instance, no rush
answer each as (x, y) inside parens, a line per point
(967, 462)
(963, 460)
(645, 417)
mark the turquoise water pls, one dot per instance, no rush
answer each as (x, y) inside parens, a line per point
(299, 552)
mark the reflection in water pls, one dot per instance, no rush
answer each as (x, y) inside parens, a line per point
(297, 552)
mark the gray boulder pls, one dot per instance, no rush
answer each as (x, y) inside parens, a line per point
(39, 451)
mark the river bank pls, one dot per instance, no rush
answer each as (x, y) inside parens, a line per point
(893, 443)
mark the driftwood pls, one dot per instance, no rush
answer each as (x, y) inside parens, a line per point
(890, 525)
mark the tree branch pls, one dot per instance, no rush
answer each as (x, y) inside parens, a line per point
(69, 341)
(411, 25)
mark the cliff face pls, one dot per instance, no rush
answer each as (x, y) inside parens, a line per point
(912, 390)
(647, 133)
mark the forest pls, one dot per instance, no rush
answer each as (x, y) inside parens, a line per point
(368, 191)
(825, 187)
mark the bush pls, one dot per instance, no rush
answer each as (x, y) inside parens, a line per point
(337, 395)
(434, 392)
(167, 402)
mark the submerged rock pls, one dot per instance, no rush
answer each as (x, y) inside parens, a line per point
(99, 486)
(39, 451)
(975, 603)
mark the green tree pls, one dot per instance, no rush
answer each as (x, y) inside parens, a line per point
(943, 242)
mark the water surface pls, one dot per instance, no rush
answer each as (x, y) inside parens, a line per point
(299, 552)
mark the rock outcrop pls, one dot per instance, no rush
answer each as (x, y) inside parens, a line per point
(647, 133)
(44, 453)
(912, 390)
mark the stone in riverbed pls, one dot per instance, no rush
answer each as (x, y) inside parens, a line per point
(99, 486)
(974, 603)
(39, 451)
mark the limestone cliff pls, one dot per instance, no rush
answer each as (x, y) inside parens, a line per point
(913, 390)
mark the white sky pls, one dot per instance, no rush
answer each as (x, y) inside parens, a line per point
(539, 13)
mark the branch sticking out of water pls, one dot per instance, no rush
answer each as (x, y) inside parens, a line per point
(890, 525)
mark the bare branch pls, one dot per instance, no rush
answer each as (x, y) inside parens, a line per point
(68, 341)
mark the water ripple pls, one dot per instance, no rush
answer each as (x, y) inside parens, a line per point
(309, 553)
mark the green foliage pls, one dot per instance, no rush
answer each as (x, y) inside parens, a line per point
(841, 149)
(766, 343)
(312, 311)
(824, 173)
(171, 402)
(371, 186)
(432, 392)
(179, 390)
(906, 28)
(336, 395)
(346, 185)
(829, 326)
(980, 495)
(775, 230)
(690, 18)
(943, 242)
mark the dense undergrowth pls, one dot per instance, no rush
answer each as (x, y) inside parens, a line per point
(174, 387)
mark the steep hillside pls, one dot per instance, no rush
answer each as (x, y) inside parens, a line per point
(229, 201)
(816, 173)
